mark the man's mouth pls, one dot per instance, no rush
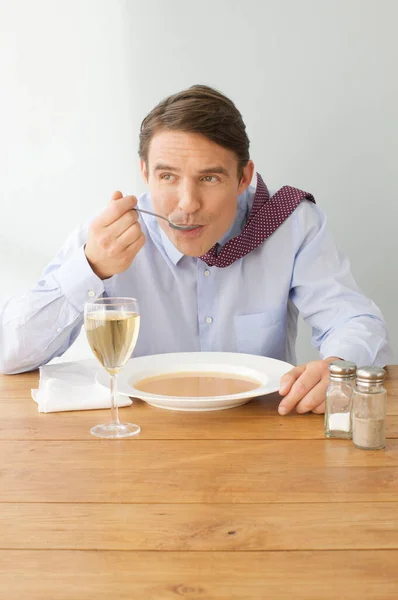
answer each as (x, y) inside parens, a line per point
(190, 233)
(185, 226)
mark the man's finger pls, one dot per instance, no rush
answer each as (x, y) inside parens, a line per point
(288, 379)
(129, 237)
(314, 399)
(300, 388)
(117, 195)
(319, 410)
(137, 244)
(116, 209)
(123, 223)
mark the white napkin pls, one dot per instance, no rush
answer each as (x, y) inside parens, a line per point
(72, 386)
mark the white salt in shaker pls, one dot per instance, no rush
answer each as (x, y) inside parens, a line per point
(339, 399)
(369, 409)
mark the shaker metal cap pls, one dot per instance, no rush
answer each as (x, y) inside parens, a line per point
(371, 374)
(342, 368)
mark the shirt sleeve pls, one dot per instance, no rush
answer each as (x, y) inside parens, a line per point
(345, 323)
(43, 323)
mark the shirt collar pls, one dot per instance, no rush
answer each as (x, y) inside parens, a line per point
(174, 255)
(245, 202)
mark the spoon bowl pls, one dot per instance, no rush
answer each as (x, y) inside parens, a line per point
(171, 224)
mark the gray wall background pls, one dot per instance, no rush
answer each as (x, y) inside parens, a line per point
(316, 82)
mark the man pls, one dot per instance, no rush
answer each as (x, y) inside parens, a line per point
(236, 282)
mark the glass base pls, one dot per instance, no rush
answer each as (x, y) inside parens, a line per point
(369, 447)
(116, 432)
(335, 433)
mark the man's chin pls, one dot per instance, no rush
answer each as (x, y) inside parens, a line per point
(192, 249)
(191, 243)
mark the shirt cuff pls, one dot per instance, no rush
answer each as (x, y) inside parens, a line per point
(77, 280)
(361, 354)
(109, 286)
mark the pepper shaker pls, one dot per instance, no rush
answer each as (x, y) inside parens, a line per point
(369, 409)
(339, 399)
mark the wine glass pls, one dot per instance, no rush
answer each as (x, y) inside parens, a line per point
(112, 326)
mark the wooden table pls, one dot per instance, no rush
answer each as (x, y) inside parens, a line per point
(232, 504)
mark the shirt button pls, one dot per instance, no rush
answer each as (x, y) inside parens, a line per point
(91, 293)
(207, 273)
(209, 320)
(59, 330)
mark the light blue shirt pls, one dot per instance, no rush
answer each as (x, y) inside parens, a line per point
(251, 306)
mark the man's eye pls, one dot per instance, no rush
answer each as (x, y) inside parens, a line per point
(166, 176)
(209, 178)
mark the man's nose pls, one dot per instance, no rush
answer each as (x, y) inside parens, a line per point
(189, 201)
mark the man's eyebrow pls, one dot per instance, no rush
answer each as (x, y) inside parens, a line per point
(165, 167)
(218, 169)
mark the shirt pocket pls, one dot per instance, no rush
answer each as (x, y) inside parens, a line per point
(262, 333)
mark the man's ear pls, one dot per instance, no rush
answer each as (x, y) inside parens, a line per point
(246, 178)
(144, 171)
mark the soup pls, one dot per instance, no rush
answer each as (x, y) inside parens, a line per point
(196, 385)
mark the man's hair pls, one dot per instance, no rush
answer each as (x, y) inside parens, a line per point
(199, 109)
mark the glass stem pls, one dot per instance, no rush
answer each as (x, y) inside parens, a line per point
(114, 409)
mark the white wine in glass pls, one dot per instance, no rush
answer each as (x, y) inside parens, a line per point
(112, 326)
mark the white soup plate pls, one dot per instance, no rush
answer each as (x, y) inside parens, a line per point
(267, 371)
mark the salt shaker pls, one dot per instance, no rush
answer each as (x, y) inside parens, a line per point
(339, 399)
(369, 409)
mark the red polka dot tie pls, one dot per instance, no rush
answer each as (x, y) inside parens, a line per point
(264, 218)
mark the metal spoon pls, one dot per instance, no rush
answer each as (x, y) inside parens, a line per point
(173, 225)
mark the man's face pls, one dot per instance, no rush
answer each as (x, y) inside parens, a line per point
(194, 181)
